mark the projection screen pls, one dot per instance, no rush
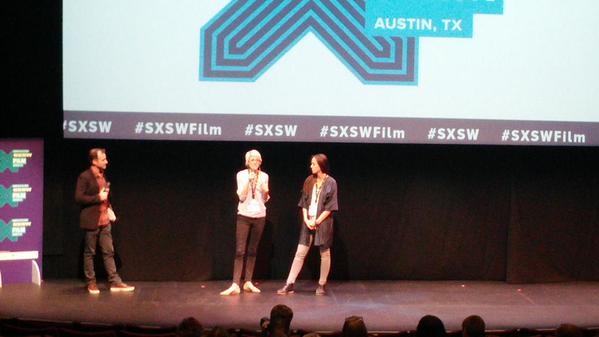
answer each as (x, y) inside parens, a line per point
(512, 72)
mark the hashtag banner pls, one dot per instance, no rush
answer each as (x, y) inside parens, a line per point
(338, 129)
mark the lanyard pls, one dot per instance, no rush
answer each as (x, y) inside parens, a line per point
(318, 189)
(254, 183)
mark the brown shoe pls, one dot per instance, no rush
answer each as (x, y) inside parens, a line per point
(92, 288)
(121, 287)
(321, 290)
(287, 289)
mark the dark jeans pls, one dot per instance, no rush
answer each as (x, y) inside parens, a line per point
(252, 227)
(103, 235)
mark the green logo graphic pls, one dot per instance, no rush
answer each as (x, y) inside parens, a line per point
(14, 160)
(14, 194)
(14, 229)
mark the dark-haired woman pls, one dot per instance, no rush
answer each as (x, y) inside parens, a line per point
(318, 202)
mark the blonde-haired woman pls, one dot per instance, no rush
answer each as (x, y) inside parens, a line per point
(253, 193)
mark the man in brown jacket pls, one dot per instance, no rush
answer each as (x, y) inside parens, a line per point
(95, 219)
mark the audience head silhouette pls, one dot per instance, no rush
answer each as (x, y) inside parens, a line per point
(280, 320)
(473, 326)
(354, 327)
(190, 327)
(568, 330)
(430, 326)
(218, 331)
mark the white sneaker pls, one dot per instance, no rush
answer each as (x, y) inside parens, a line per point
(232, 290)
(121, 287)
(249, 287)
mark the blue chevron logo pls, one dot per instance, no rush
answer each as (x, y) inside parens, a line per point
(14, 229)
(248, 36)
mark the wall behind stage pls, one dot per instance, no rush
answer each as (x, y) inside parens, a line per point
(406, 212)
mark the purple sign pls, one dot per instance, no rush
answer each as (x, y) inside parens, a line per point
(21, 210)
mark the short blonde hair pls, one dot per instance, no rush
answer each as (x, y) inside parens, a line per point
(250, 154)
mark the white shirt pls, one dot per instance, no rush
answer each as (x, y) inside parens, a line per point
(251, 204)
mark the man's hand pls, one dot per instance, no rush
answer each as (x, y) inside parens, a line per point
(103, 195)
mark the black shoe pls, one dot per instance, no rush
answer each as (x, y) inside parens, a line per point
(321, 290)
(287, 289)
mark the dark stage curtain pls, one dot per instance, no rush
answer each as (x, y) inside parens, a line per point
(406, 212)
(554, 225)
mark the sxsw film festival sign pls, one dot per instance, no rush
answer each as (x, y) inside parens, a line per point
(21, 209)
(13, 195)
(377, 40)
(14, 229)
(14, 160)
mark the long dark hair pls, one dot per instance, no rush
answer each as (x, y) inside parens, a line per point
(322, 161)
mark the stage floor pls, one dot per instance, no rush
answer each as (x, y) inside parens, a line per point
(384, 305)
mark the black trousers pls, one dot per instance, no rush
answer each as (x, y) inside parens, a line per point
(248, 234)
(103, 236)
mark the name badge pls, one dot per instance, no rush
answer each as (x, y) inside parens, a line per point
(312, 210)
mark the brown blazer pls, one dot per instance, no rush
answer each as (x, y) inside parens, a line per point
(86, 195)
